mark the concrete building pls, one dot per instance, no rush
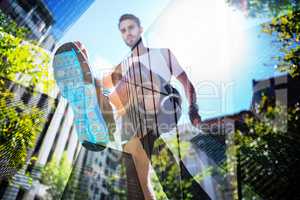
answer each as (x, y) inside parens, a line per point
(33, 15)
(101, 175)
(57, 135)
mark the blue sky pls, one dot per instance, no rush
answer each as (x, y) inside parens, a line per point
(97, 30)
(253, 66)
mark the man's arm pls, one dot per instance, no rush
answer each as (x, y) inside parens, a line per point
(189, 89)
(192, 98)
(111, 80)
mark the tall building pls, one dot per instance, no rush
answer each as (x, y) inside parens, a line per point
(57, 135)
(32, 14)
(65, 14)
(47, 20)
(102, 175)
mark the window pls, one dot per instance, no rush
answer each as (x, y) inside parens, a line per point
(35, 18)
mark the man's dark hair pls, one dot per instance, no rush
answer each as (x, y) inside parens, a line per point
(131, 17)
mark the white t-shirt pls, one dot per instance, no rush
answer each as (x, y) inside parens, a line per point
(159, 63)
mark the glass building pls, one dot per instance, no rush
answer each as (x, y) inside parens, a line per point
(47, 20)
(65, 14)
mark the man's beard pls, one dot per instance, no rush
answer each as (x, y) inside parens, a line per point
(135, 43)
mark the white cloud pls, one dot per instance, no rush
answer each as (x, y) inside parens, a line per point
(206, 37)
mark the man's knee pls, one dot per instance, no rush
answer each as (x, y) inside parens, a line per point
(133, 146)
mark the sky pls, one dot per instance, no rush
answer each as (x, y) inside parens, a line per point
(220, 49)
(98, 29)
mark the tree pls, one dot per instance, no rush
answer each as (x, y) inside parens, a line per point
(286, 28)
(284, 25)
(55, 175)
(9, 26)
(266, 152)
(266, 144)
(170, 177)
(18, 131)
(24, 63)
(264, 8)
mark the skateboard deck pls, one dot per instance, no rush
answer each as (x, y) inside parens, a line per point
(74, 79)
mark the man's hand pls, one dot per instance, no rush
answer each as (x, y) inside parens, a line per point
(194, 115)
(82, 49)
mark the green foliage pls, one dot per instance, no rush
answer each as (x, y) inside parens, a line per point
(19, 58)
(271, 121)
(55, 175)
(266, 146)
(18, 130)
(173, 183)
(266, 149)
(24, 63)
(114, 189)
(287, 31)
(73, 188)
(265, 8)
(9, 26)
(284, 25)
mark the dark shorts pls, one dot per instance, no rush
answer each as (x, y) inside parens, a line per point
(140, 123)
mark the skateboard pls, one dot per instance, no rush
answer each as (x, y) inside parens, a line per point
(93, 121)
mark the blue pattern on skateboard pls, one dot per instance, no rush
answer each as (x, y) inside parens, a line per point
(82, 96)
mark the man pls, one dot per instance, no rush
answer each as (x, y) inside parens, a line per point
(162, 65)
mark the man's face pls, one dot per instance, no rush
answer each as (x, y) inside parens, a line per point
(130, 31)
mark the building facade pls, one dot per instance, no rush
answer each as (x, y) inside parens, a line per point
(102, 175)
(65, 14)
(57, 135)
(47, 20)
(33, 15)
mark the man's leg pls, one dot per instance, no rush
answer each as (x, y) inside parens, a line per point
(74, 79)
(163, 162)
(142, 165)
